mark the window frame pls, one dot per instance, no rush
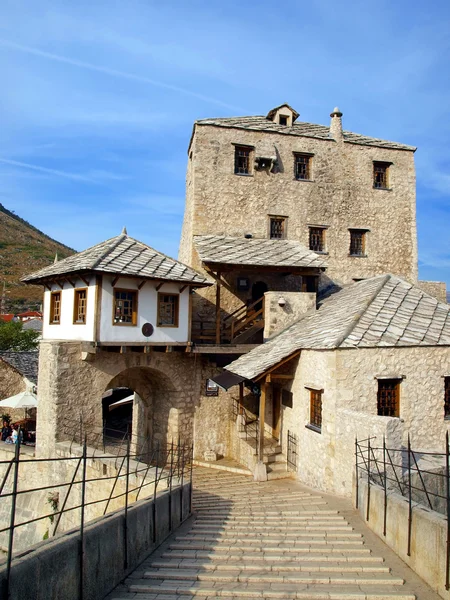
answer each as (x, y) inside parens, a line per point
(53, 294)
(284, 228)
(397, 383)
(352, 231)
(324, 238)
(447, 398)
(309, 157)
(386, 166)
(315, 408)
(250, 149)
(284, 117)
(134, 311)
(76, 293)
(176, 311)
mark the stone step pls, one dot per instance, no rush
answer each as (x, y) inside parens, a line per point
(301, 526)
(269, 520)
(283, 591)
(270, 557)
(298, 548)
(293, 541)
(338, 567)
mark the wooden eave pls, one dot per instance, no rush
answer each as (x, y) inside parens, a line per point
(215, 267)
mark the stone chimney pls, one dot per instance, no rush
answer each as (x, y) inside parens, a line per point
(336, 125)
(281, 309)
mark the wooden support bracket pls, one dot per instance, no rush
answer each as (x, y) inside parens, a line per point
(141, 285)
(115, 280)
(182, 288)
(159, 286)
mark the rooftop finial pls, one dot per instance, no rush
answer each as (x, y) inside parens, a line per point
(336, 112)
(124, 231)
(56, 258)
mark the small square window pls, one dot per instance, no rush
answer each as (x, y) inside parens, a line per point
(212, 389)
(447, 397)
(315, 408)
(283, 119)
(242, 160)
(79, 307)
(168, 305)
(125, 307)
(277, 228)
(55, 308)
(357, 242)
(317, 239)
(389, 397)
(243, 284)
(381, 175)
(302, 166)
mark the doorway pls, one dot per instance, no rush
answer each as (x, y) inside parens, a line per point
(259, 288)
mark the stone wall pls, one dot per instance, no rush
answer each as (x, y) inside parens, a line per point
(340, 196)
(12, 383)
(437, 289)
(279, 316)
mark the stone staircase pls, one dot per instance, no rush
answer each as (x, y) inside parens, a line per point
(268, 540)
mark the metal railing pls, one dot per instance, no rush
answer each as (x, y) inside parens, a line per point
(249, 423)
(168, 462)
(398, 470)
(292, 451)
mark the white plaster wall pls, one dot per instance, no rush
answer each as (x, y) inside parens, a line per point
(147, 313)
(66, 329)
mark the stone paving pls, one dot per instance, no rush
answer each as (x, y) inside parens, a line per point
(270, 540)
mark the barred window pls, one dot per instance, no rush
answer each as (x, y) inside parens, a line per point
(389, 397)
(80, 306)
(55, 308)
(447, 397)
(277, 228)
(357, 242)
(381, 175)
(317, 239)
(315, 408)
(125, 307)
(168, 310)
(302, 165)
(242, 160)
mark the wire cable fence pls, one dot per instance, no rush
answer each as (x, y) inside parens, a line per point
(86, 484)
(399, 470)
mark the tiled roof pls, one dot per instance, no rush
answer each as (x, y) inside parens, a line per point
(302, 129)
(122, 255)
(255, 252)
(379, 312)
(24, 362)
(33, 324)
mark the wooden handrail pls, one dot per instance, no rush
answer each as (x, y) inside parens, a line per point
(244, 308)
(244, 322)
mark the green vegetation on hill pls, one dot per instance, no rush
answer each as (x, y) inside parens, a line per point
(23, 249)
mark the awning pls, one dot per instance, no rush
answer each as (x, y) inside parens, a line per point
(227, 380)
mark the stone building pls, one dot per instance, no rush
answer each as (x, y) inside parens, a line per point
(18, 373)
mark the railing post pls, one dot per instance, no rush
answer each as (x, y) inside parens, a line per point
(368, 480)
(409, 498)
(357, 473)
(190, 476)
(125, 521)
(83, 502)
(181, 485)
(447, 478)
(170, 486)
(13, 514)
(154, 493)
(385, 486)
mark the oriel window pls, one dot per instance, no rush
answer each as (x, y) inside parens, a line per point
(315, 408)
(447, 397)
(389, 397)
(302, 166)
(125, 307)
(80, 306)
(317, 239)
(357, 242)
(381, 175)
(55, 308)
(277, 228)
(242, 160)
(168, 306)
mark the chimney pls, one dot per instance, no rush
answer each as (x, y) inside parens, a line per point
(336, 125)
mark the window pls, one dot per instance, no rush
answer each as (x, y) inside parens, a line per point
(317, 239)
(242, 160)
(168, 310)
(283, 119)
(125, 307)
(357, 242)
(315, 408)
(389, 397)
(277, 228)
(55, 308)
(381, 175)
(80, 306)
(447, 398)
(302, 166)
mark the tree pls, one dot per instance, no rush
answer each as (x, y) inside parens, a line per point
(14, 337)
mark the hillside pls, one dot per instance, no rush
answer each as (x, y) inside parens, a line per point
(23, 249)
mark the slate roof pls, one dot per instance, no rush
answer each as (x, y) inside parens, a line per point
(24, 362)
(379, 312)
(255, 252)
(122, 255)
(33, 324)
(301, 129)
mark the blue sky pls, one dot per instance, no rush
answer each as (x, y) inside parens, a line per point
(98, 99)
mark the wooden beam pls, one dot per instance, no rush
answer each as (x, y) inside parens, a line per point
(281, 376)
(70, 281)
(85, 281)
(49, 287)
(282, 362)
(262, 415)
(141, 285)
(159, 286)
(182, 288)
(218, 286)
(115, 280)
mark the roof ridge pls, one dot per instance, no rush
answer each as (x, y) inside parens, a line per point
(109, 249)
(358, 316)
